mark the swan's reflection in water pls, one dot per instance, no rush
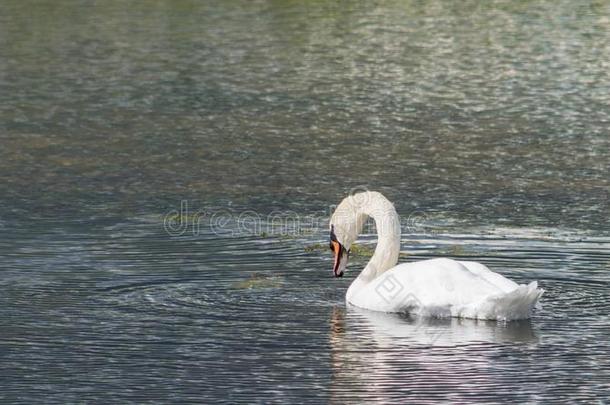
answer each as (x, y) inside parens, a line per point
(399, 329)
(391, 357)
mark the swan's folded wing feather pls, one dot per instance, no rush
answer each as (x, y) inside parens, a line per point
(495, 279)
(445, 287)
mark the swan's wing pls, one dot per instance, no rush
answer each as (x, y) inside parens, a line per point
(438, 283)
(497, 280)
(445, 287)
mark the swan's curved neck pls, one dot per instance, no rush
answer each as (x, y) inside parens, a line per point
(386, 253)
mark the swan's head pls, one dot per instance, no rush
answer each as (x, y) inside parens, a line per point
(345, 225)
(348, 221)
(340, 251)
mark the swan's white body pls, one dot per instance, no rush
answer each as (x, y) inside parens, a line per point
(437, 287)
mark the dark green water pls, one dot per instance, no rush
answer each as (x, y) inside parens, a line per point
(486, 124)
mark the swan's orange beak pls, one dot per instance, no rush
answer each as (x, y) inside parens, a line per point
(338, 251)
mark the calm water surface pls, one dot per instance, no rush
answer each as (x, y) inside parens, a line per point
(486, 124)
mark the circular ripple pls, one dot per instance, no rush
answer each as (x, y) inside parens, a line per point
(215, 301)
(567, 298)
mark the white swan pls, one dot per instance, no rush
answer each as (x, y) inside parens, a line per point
(436, 287)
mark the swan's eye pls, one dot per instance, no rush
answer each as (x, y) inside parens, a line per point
(330, 245)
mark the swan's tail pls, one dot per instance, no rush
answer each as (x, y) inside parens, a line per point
(517, 304)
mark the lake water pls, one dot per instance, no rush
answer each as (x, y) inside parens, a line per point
(167, 170)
